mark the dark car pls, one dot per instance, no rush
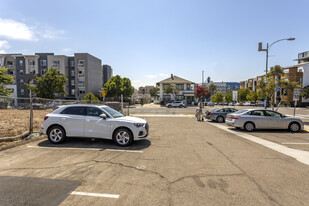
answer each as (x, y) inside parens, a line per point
(219, 114)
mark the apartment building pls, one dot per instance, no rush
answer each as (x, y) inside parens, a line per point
(185, 89)
(83, 78)
(224, 87)
(107, 73)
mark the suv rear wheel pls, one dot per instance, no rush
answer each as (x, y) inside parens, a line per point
(56, 135)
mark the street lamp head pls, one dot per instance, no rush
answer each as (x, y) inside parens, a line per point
(291, 39)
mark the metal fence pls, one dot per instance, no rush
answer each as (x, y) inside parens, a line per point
(18, 115)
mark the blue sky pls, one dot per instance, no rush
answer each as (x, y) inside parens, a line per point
(147, 40)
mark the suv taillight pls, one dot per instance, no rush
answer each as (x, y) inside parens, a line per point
(45, 118)
(235, 117)
(211, 113)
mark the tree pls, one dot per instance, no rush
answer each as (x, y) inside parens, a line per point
(252, 96)
(90, 98)
(305, 92)
(218, 97)
(5, 79)
(242, 95)
(208, 79)
(49, 84)
(118, 86)
(153, 92)
(286, 86)
(228, 97)
(212, 88)
(171, 89)
(200, 92)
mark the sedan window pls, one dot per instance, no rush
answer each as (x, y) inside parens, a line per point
(74, 110)
(95, 112)
(273, 114)
(256, 113)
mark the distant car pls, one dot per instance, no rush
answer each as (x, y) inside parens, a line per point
(225, 103)
(238, 104)
(219, 114)
(231, 104)
(175, 104)
(247, 103)
(261, 104)
(251, 119)
(252, 104)
(165, 103)
(210, 104)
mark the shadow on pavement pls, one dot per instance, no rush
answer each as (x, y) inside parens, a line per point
(34, 191)
(88, 143)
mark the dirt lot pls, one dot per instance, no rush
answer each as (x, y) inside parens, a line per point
(15, 122)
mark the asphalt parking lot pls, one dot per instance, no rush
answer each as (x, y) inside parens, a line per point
(183, 162)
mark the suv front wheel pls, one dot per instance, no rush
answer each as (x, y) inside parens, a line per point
(123, 137)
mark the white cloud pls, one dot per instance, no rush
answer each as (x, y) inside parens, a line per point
(3, 46)
(163, 75)
(151, 76)
(52, 34)
(16, 30)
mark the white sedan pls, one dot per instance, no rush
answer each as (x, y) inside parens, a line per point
(93, 121)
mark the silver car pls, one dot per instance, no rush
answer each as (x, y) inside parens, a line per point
(250, 119)
(219, 114)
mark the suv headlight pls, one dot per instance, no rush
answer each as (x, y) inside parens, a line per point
(138, 124)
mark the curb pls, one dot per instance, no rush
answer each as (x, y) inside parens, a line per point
(27, 140)
(18, 137)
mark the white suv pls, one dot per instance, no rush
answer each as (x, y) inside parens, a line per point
(93, 121)
(175, 104)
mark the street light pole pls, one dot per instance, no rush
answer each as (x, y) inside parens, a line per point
(268, 47)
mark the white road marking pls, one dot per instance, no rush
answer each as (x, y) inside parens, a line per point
(295, 143)
(95, 149)
(163, 115)
(299, 155)
(95, 194)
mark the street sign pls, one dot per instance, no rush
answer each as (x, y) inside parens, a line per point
(235, 93)
(296, 94)
(103, 93)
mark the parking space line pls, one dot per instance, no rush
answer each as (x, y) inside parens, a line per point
(95, 149)
(299, 155)
(295, 143)
(95, 194)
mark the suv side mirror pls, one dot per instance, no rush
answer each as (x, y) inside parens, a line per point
(103, 116)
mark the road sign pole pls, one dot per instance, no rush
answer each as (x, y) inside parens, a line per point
(295, 102)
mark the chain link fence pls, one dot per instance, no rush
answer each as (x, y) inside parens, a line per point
(27, 114)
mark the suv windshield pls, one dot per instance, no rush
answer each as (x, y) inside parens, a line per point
(112, 112)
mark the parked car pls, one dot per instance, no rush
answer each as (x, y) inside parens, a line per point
(210, 104)
(219, 114)
(238, 104)
(175, 104)
(247, 103)
(251, 119)
(165, 103)
(252, 104)
(93, 121)
(231, 104)
(261, 104)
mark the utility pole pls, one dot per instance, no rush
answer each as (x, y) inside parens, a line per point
(31, 114)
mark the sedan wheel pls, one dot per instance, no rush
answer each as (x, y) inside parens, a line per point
(294, 127)
(56, 135)
(123, 137)
(249, 126)
(169, 106)
(220, 119)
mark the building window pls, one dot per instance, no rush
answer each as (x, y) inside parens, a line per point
(72, 91)
(22, 91)
(56, 64)
(82, 91)
(43, 71)
(188, 87)
(300, 69)
(31, 62)
(72, 73)
(299, 80)
(81, 84)
(43, 63)
(72, 63)
(31, 81)
(180, 86)
(9, 63)
(21, 62)
(21, 81)
(81, 63)
(21, 72)
(81, 73)
(72, 82)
